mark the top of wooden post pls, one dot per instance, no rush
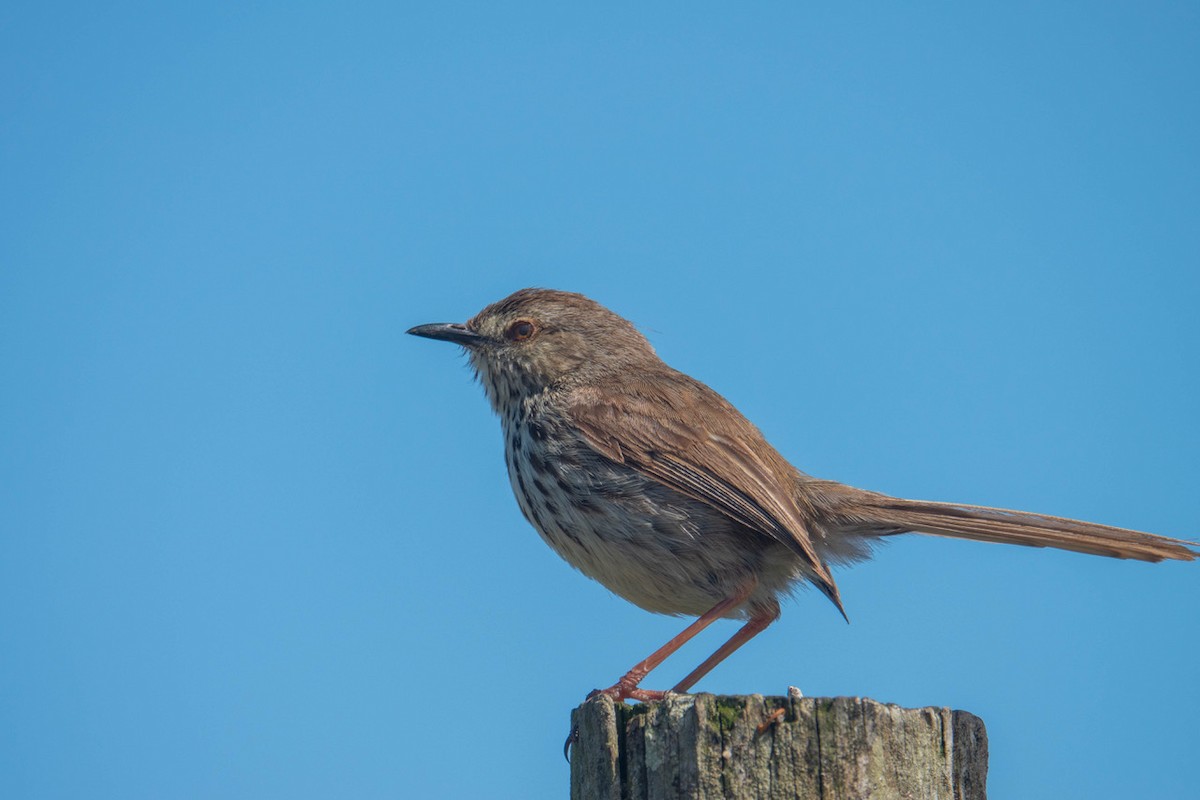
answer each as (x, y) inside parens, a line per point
(750, 746)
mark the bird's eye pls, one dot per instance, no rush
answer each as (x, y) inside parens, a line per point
(520, 330)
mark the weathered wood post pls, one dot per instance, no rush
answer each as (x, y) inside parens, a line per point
(750, 746)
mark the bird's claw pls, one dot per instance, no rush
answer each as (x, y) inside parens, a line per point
(572, 738)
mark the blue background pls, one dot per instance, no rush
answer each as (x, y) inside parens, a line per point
(256, 542)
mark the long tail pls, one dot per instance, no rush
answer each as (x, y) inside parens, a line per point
(871, 514)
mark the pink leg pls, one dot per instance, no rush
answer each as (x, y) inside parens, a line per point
(627, 686)
(754, 626)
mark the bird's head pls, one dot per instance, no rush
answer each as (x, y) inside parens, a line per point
(536, 339)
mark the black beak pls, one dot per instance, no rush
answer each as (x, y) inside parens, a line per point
(448, 332)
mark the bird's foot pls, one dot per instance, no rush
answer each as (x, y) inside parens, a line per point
(622, 690)
(627, 689)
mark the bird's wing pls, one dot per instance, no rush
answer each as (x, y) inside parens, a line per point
(678, 432)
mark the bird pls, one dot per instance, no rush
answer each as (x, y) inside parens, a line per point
(653, 484)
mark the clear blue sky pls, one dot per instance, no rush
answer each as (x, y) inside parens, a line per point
(256, 542)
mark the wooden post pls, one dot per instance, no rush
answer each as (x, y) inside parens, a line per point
(750, 746)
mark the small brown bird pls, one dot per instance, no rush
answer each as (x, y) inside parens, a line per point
(653, 484)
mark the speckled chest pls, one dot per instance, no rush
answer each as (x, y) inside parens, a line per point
(544, 467)
(583, 505)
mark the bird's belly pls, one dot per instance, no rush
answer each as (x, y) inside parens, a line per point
(646, 543)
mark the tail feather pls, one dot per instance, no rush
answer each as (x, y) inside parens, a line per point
(868, 513)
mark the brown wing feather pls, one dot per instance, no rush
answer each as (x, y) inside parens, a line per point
(678, 432)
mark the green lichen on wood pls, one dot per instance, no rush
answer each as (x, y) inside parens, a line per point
(728, 710)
